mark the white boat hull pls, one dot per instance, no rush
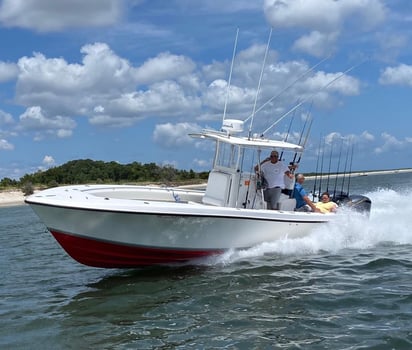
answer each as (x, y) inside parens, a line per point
(109, 226)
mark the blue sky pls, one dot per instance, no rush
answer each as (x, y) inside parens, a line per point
(127, 80)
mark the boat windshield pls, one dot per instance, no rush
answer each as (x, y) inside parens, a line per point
(227, 156)
(236, 158)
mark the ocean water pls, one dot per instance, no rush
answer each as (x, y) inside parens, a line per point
(345, 286)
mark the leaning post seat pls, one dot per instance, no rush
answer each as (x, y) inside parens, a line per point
(217, 190)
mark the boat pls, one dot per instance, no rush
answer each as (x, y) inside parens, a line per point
(123, 226)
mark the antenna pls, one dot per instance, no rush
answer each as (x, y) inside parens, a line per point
(230, 75)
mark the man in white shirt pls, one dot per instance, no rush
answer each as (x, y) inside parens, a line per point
(274, 172)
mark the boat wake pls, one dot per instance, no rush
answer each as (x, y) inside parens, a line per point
(389, 223)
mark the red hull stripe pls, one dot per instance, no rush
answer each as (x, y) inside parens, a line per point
(110, 255)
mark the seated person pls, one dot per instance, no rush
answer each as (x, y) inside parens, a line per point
(326, 205)
(303, 203)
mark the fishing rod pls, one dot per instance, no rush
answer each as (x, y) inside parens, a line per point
(287, 134)
(306, 121)
(317, 168)
(260, 82)
(259, 184)
(330, 162)
(345, 170)
(350, 168)
(321, 167)
(300, 139)
(289, 86)
(295, 163)
(244, 204)
(306, 138)
(230, 75)
(337, 170)
(311, 96)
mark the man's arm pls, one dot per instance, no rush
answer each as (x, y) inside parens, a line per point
(310, 203)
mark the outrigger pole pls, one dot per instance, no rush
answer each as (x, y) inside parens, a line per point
(230, 75)
(309, 97)
(288, 86)
(260, 82)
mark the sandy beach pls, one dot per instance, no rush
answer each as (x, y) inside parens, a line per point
(11, 198)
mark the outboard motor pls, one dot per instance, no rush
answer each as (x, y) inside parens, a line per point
(359, 203)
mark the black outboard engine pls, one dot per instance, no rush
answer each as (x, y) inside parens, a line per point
(359, 203)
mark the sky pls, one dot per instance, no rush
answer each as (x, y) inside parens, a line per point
(128, 80)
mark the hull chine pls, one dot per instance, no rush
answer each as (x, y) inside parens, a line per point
(104, 254)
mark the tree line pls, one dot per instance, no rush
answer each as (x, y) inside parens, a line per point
(90, 171)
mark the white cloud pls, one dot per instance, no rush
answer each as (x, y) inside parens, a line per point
(166, 98)
(109, 91)
(103, 87)
(391, 45)
(174, 135)
(48, 161)
(367, 136)
(399, 75)
(51, 15)
(216, 94)
(163, 67)
(202, 163)
(333, 138)
(322, 17)
(5, 118)
(316, 43)
(33, 119)
(102, 71)
(390, 143)
(344, 84)
(5, 145)
(8, 71)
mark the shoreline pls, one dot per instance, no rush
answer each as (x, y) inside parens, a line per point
(364, 173)
(10, 198)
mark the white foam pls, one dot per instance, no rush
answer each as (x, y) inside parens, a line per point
(389, 222)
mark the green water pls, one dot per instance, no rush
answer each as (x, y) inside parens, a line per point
(343, 287)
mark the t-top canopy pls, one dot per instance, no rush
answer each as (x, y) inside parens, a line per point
(246, 142)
